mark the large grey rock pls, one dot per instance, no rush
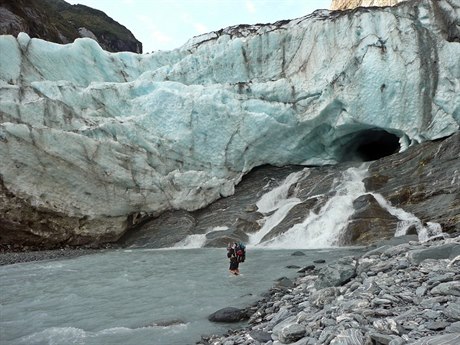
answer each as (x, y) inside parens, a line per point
(446, 251)
(336, 274)
(280, 316)
(229, 314)
(350, 337)
(445, 339)
(283, 283)
(449, 289)
(452, 311)
(291, 333)
(260, 336)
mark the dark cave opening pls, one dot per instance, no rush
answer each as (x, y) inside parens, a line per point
(370, 145)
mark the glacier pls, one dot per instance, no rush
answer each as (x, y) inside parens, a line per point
(98, 139)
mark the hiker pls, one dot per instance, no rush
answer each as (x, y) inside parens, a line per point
(236, 253)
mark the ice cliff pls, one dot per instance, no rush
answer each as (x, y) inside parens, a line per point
(91, 139)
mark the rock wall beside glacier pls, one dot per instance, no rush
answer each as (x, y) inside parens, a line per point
(60, 22)
(94, 140)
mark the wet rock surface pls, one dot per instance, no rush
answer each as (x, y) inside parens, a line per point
(388, 300)
(234, 216)
(423, 180)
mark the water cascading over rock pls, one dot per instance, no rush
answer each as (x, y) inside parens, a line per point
(90, 141)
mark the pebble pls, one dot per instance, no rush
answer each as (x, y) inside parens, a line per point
(405, 294)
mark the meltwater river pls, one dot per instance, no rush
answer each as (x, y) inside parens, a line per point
(125, 296)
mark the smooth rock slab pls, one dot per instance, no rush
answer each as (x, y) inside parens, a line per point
(452, 311)
(446, 251)
(449, 288)
(437, 325)
(445, 339)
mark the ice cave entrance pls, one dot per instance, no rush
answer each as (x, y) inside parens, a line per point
(370, 145)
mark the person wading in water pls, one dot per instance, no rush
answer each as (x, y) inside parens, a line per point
(236, 252)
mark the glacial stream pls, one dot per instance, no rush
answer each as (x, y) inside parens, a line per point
(142, 297)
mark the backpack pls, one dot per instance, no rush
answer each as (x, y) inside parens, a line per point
(240, 252)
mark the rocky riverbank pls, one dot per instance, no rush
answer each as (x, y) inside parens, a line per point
(13, 257)
(391, 295)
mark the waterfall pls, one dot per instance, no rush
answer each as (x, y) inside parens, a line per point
(276, 198)
(276, 205)
(321, 230)
(321, 226)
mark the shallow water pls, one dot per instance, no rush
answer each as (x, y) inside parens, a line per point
(117, 297)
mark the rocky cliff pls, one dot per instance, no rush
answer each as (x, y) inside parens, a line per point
(116, 139)
(58, 21)
(350, 4)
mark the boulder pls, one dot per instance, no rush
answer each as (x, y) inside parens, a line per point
(449, 289)
(336, 274)
(260, 336)
(447, 339)
(228, 314)
(350, 337)
(284, 283)
(446, 251)
(291, 333)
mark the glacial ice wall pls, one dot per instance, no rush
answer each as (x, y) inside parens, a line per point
(95, 135)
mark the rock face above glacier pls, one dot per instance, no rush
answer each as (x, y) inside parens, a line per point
(90, 141)
(350, 4)
(60, 22)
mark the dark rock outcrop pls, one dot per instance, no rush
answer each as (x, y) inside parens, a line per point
(170, 228)
(423, 180)
(60, 22)
(369, 223)
(24, 226)
(229, 314)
